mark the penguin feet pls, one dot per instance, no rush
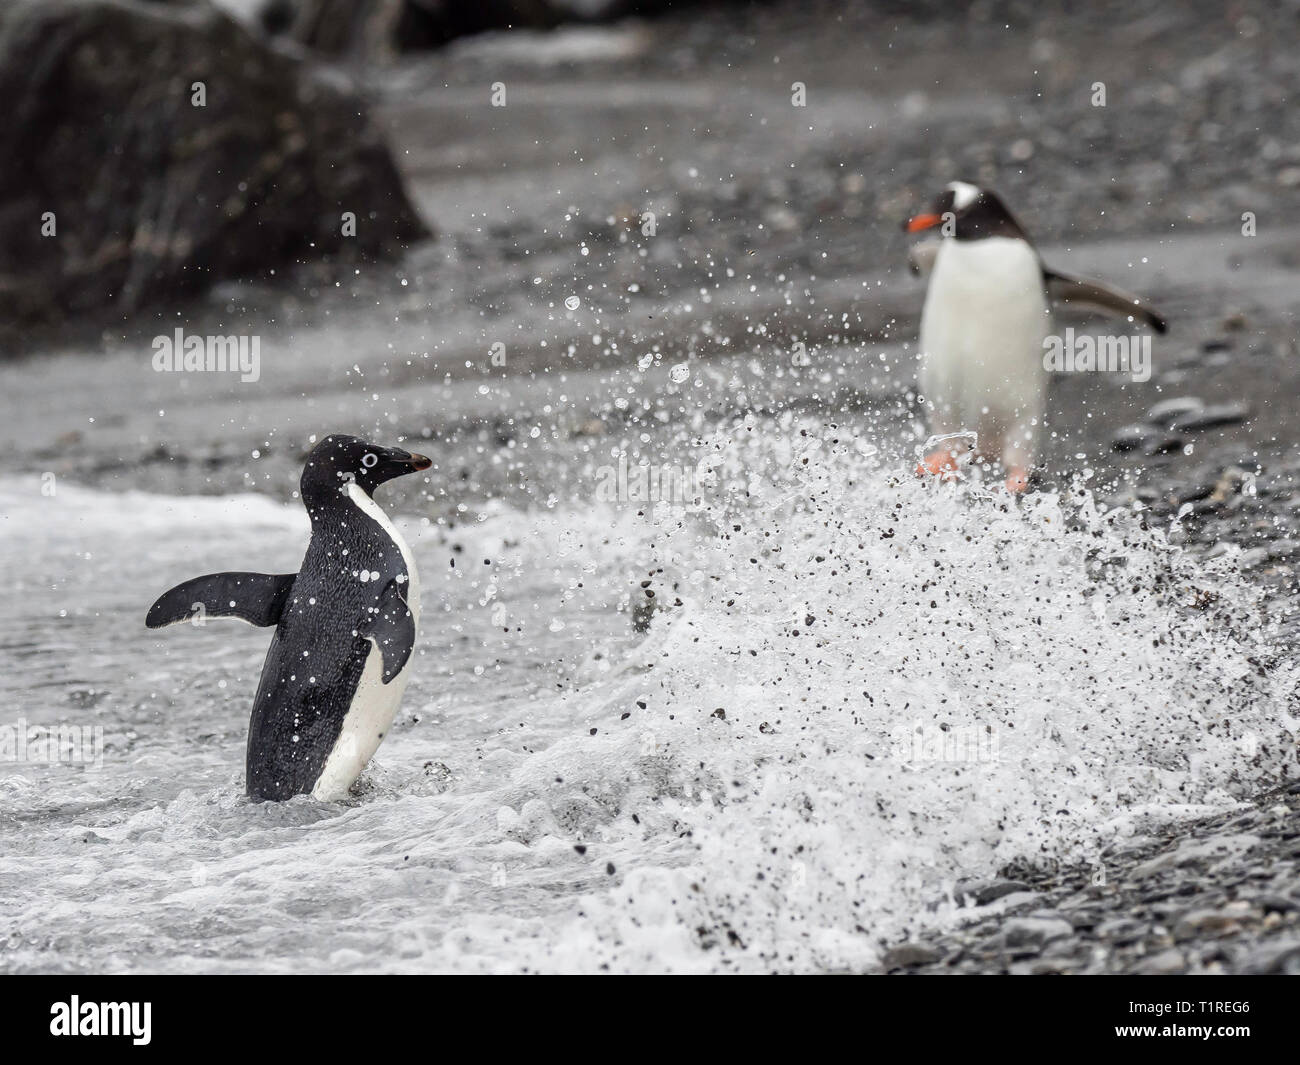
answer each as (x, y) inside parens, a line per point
(1017, 479)
(941, 463)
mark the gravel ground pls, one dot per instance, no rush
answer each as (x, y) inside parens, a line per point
(1218, 896)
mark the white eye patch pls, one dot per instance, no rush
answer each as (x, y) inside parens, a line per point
(963, 195)
(369, 459)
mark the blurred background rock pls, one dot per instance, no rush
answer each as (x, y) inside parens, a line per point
(165, 147)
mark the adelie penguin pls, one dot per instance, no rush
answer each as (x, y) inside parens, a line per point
(345, 625)
(983, 327)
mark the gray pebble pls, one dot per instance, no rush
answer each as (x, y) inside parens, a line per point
(1274, 903)
(982, 892)
(1282, 549)
(1165, 444)
(1034, 933)
(1194, 493)
(1163, 963)
(1274, 958)
(1132, 437)
(1167, 410)
(1121, 930)
(1207, 923)
(1211, 417)
(907, 955)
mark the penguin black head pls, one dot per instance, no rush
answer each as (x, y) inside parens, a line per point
(339, 460)
(967, 212)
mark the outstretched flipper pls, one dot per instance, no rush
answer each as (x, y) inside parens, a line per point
(1069, 289)
(257, 598)
(393, 629)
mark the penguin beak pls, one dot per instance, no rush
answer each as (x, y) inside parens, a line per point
(410, 461)
(405, 462)
(922, 221)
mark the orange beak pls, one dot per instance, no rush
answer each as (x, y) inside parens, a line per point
(922, 221)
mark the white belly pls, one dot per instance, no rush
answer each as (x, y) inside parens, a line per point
(374, 704)
(982, 330)
(367, 723)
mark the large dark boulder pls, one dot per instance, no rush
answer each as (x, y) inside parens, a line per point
(374, 30)
(152, 196)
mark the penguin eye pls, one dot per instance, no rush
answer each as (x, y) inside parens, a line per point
(369, 459)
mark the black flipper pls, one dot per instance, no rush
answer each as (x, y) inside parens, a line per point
(1070, 289)
(257, 598)
(393, 628)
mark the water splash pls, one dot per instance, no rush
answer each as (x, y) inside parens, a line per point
(858, 689)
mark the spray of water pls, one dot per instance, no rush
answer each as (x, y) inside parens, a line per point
(875, 688)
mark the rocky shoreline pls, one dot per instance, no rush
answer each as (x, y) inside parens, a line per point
(1217, 895)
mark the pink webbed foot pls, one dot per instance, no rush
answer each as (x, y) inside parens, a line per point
(941, 463)
(1017, 480)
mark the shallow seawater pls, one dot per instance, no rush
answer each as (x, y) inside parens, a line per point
(857, 691)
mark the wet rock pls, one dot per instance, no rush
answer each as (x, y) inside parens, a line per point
(909, 955)
(1205, 507)
(1273, 959)
(1082, 919)
(1125, 848)
(1132, 437)
(1211, 417)
(1255, 556)
(1194, 493)
(1167, 410)
(983, 892)
(1154, 866)
(1034, 933)
(169, 149)
(1150, 439)
(1163, 963)
(1209, 923)
(1164, 444)
(1041, 967)
(1285, 548)
(377, 29)
(1121, 930)
(1274, 904)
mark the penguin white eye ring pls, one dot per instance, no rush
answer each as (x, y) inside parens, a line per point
(314, 733)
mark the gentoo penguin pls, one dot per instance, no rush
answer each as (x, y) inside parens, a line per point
(983, 325)
(345, 624)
